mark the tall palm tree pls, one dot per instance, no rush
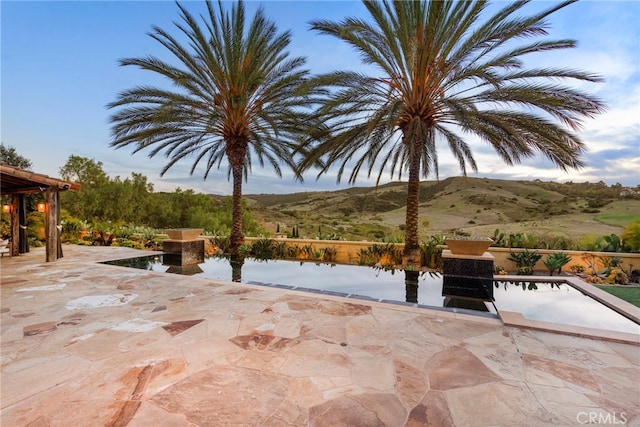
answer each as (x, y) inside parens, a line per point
(445, 71)
(236, 96)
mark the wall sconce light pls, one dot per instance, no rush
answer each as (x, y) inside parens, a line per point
(6, 208)
(41, 206)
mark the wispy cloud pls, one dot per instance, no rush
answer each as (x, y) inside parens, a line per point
(59, 70)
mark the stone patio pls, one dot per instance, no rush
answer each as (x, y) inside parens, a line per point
(89, 344)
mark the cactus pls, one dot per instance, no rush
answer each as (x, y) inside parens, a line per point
(556, 261)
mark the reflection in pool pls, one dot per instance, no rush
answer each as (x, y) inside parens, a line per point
(550, 302)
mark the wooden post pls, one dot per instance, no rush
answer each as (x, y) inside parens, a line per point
(50, 229)
(15, 225)
(58, 228)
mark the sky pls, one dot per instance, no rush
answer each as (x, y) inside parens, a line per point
(59, 70)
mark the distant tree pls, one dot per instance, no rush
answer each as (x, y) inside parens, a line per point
(88, 203)
(10, 156)
(444, 73)
(236, 96)
(131, 201)
(84, 171)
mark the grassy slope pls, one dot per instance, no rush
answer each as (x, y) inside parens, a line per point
(473, 205)
(630, 294)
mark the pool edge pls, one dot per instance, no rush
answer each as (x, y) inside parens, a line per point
(506, 318)
(616, 304)
(513, 319)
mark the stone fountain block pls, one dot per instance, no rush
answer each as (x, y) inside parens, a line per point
(468, 276)
(475, 247)
(183, 233)
(185, 270)
(476, 288)
(467, 265)
(182, 252)
(476, 304)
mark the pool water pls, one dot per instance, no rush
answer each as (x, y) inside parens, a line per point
(550, 302)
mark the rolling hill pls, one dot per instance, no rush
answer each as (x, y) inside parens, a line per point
(458, 204)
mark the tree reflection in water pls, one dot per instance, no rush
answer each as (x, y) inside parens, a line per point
(236, 261)
(411, 285)
(411, 278)
(142, 263)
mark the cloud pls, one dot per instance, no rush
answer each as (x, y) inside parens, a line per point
(54, 104)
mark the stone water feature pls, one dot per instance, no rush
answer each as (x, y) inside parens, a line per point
(467, 277)
(183, 250)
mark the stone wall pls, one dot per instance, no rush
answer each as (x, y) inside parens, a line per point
(348, 253)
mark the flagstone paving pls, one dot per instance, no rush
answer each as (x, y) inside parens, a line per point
(89, 344)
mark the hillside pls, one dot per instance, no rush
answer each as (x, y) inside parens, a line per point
(471, 205)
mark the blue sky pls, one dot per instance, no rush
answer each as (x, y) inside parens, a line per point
(59, 70)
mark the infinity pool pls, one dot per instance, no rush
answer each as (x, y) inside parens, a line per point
(550, 302)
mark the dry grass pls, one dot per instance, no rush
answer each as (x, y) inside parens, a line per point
(473, 205)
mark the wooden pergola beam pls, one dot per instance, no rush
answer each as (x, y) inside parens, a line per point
(18, 182)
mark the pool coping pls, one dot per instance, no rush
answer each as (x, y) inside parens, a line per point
(506, 318)
(616, 304)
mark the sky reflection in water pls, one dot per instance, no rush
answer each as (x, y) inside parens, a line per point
(550, 302)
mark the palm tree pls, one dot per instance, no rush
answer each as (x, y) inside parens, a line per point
(236, 95)
(444, 72)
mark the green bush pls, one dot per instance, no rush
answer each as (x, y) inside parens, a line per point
(577, 269)
(610, 243)
(387, 255)
(71, 228)
(617, 276)
(431, 254)
(631, 236)
(329, 254)
(514, 240)
(263, 249)
(556, 261)
(222, 243)
(525, 260)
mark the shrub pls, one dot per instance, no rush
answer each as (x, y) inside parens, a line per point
(610, 243)
(223, 243)
(597, 280)
(525, 260)
(431, 254)
(71, 228)
(499, 270)
(263, 249)
(577, 269)
(593, 263)
(386, 255)
(303, 252)
(329, 254)
(556, 261)
(617, 276)
(245, 250)
(514, 240)
(291, 251)
(556, 243)
(631, 236)
(280, 250)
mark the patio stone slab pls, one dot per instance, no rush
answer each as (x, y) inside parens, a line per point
(89, 344)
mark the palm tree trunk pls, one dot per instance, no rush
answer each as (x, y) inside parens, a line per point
(236, 151)
(237, 237)
(411, 254)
